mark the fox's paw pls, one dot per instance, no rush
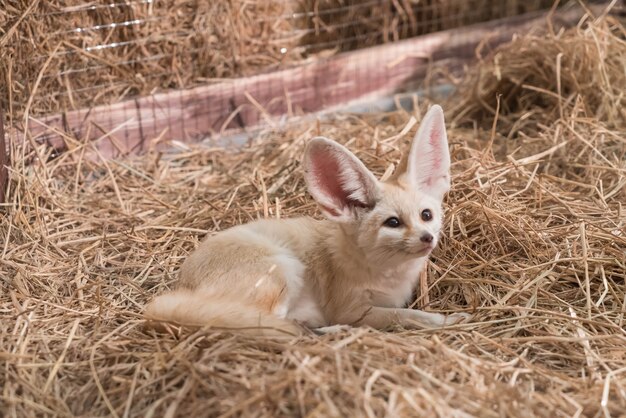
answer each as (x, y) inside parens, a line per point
(457, 318)
(332, 329)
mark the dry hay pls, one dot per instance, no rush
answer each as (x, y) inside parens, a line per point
(70, 55)
(534, 245)
(360, 23)
(541, 78)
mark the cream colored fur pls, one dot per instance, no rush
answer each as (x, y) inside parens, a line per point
(269, 276)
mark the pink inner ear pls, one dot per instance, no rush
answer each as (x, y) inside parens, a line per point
(337, 179)
(326, 171)
(434, 140)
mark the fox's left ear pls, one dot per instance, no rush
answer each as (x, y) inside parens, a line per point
(428, 162)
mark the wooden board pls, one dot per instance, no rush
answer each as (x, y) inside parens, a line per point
(187, 115)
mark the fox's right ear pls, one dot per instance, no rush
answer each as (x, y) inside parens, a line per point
(338, 181)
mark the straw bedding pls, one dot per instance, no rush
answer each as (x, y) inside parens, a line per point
(534, 246)
(68, 55)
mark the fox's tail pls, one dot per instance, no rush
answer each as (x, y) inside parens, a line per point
(199, 309)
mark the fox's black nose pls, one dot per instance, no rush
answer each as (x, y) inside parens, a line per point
(427, 238)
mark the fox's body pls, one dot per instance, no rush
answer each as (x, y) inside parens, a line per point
(357, 267)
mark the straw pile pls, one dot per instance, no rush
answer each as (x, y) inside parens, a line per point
(91, 53)
(539, 80)
(534, 246)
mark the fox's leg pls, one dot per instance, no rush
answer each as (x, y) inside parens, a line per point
(381, 318)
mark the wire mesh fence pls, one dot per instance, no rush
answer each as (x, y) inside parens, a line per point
(60, 55)
(271, 98)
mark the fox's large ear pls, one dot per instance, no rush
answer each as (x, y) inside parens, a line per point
(428, 162)
(338, 180)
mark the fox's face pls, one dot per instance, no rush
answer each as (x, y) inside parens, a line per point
(404, 224)
(395, 220)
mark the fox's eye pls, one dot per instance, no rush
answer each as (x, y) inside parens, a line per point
(392, 222)
(427, 215)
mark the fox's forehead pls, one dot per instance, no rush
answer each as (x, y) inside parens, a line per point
(407, 200)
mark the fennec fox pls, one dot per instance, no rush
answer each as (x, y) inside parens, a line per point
(358, 267)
